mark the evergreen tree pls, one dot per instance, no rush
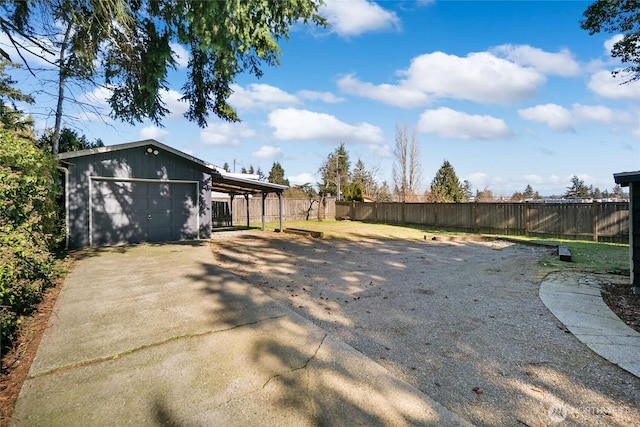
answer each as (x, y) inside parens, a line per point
(365, 178)
(335, 171)
(577, 190)
(276, 175)
(127, 46)
(353, 192)
(11, 117)
(69, 140)
(466, 190)
(597, 193)
(445, 187)
(528, 192)
(618, 193)
(384, 193)
(226, 167)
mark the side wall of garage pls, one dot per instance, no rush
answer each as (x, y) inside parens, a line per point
(134, 195)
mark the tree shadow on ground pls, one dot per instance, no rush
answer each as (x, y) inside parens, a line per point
(462, 322)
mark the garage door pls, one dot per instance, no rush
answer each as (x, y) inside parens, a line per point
(139, 211)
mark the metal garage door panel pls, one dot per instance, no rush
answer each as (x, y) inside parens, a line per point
(111, 223)
(141, 211)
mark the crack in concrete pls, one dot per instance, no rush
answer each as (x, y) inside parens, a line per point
(144, 347)
(304, 366)
(306, 363)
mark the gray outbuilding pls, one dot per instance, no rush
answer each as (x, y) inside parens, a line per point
(142, 191)
(632, 180)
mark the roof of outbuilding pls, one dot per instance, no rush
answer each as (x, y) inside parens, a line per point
(221, 182)
(625, 178)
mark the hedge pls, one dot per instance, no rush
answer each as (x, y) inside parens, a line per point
(30, 228)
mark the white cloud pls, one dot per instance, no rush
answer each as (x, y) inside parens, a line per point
(177, 108)
(39, 58)
(451, 124)
(305, 125)
(560, 63)
(98, 97)
(386, 93)
(382, 151)
(267, 152)
(312, 95)
(263, 96)
(556, 117)
(603, 83)
(152, 132)
(479, 180)
(609, 43)
(260, 96)
(227, 134)
(593, 113)
(301, 179)
(355, 17)
(180, 55)
(481, 77)
(533, 179)
(562, 119)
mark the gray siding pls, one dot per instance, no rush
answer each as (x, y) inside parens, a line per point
(118, 207)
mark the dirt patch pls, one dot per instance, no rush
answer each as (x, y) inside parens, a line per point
(623, 302)
(461, 321)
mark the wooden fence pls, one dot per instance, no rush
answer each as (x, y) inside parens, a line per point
(292, 210)
(603, 222)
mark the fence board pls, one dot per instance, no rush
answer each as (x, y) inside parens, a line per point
(607, 221)
(292, 210)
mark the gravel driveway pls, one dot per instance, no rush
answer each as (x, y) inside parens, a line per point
(461, 321)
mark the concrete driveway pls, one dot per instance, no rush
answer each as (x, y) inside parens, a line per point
(159, 335)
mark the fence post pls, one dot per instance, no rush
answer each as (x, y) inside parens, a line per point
(476, 220)
(527, 207)
(594, 216)
(435, 214)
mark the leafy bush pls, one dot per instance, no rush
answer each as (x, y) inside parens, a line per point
(30, 228)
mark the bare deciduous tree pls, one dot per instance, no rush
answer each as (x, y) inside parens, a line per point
(407, 169)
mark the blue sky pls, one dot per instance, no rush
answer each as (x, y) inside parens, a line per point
(510, 92)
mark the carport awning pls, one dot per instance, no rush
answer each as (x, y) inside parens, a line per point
(235, 185)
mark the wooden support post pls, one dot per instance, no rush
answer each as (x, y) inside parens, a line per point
(232, 196)
(594, 216)
(264, 196)
(246, 198)
(280, 205)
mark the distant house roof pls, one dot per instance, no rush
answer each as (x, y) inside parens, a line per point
(222, 182)
(626, 178)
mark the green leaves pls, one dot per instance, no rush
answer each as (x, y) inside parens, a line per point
(618, 16)
(445, 187)
(29, 226)
(131, 42)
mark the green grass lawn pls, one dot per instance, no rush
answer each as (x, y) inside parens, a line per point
(586, 255)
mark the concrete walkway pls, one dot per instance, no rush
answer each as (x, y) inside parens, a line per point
(577, 302)
(158, 335)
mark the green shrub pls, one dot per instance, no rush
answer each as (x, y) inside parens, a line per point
(30, 228)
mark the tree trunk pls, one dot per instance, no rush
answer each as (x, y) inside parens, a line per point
(62, 76)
